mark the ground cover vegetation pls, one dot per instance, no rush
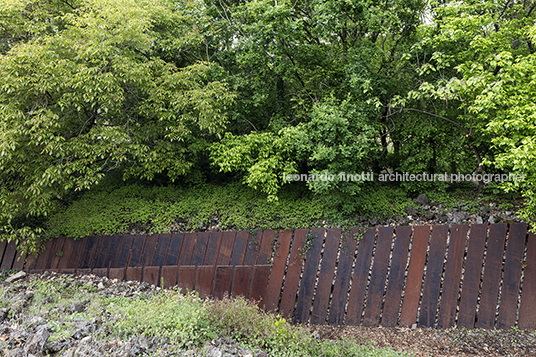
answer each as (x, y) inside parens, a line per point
(73, 308)
(186, 98)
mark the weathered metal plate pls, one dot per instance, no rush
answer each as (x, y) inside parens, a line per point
(512, 275)
(305, 295)
(492, 276)
(414, 280)
(360, 277)
(378, 277)
(278, 270)
(344, 270)
(527, 310)
(471, 277)
(325, 278)
(453, 274)
(292, 279)
(393, 294)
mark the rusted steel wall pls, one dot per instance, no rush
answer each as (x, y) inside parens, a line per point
(432, 276)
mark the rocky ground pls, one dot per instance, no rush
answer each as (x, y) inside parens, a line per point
(23, 332)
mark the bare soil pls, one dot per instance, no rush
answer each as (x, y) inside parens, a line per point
(438, 342)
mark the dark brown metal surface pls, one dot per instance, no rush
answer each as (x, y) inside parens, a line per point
(265, 249)
(123, 253)
(252, 250)
(278, 270)
(174, 250)
(471, 277)
(169, 274)
(377, 279)
(9, 256)
(259, 283)
(344, 270)
(186, 278)
(188, 246)
(151, 275)
(360, 277)
(213, 248)
(292, 279)
(161, 250)
(453, 273)
(226, 248)
(412, 292)
(241, 278)
(68, 249)
(240, 247)
(512, 275)
(203, 280)
(492, 276)
(527, 310)
(307, 285)
(325, 278)
(222, 281)
(395, 285)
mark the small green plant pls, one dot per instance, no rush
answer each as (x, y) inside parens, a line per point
(308, 244)
(358, 236)
(59, 254)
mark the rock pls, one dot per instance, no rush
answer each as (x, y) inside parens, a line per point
(15, 277)
(508, 213)
(422, 199)
(100, 286)
(84, 329)
(38, 341)
(374, 221)
(212, 352)
(491, 219)
(411, 211)
(4, 313)
(459, 217)
(4, 329)
(80, 306)
(259, 353)
(479, 220)
(414, 326)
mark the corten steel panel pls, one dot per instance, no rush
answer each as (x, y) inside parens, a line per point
(188, 247)
(79, 250)
(222, 281)
(325, 279)
(259, 283)
(360, 277)
(453, 274)
(29, 264)
(136, 251)
(432, 280)
(527, 310)
(344, 269)
(471, 276)
(512, 275)
(68, 249)
(200, 248)
(57, 248)
(42, 260)
(18, 264)
(161, 250)
(100, 271)
(87, 257)
(393, 294)
(123, 253)
(278, 270)
(226, 248)
(412, 292)
(9, 256)
(265, 249)
(240, 247)
(378, 277)
(149, 250)
(241, 277)
(3, 245)
(81, 271)
(252, 250)
(113, 251)
(186, 278)
(151, 275)
(116, 273)
(492, 276)
(213, 248)
(134, 273)
(203, 280)
(169, 274)
(174, 250)
(101, 252)
(290, 289)
(307, 286)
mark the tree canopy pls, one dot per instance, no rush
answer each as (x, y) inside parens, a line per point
(177, 91)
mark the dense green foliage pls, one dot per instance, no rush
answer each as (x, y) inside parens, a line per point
(184, 319)
(197, 92)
